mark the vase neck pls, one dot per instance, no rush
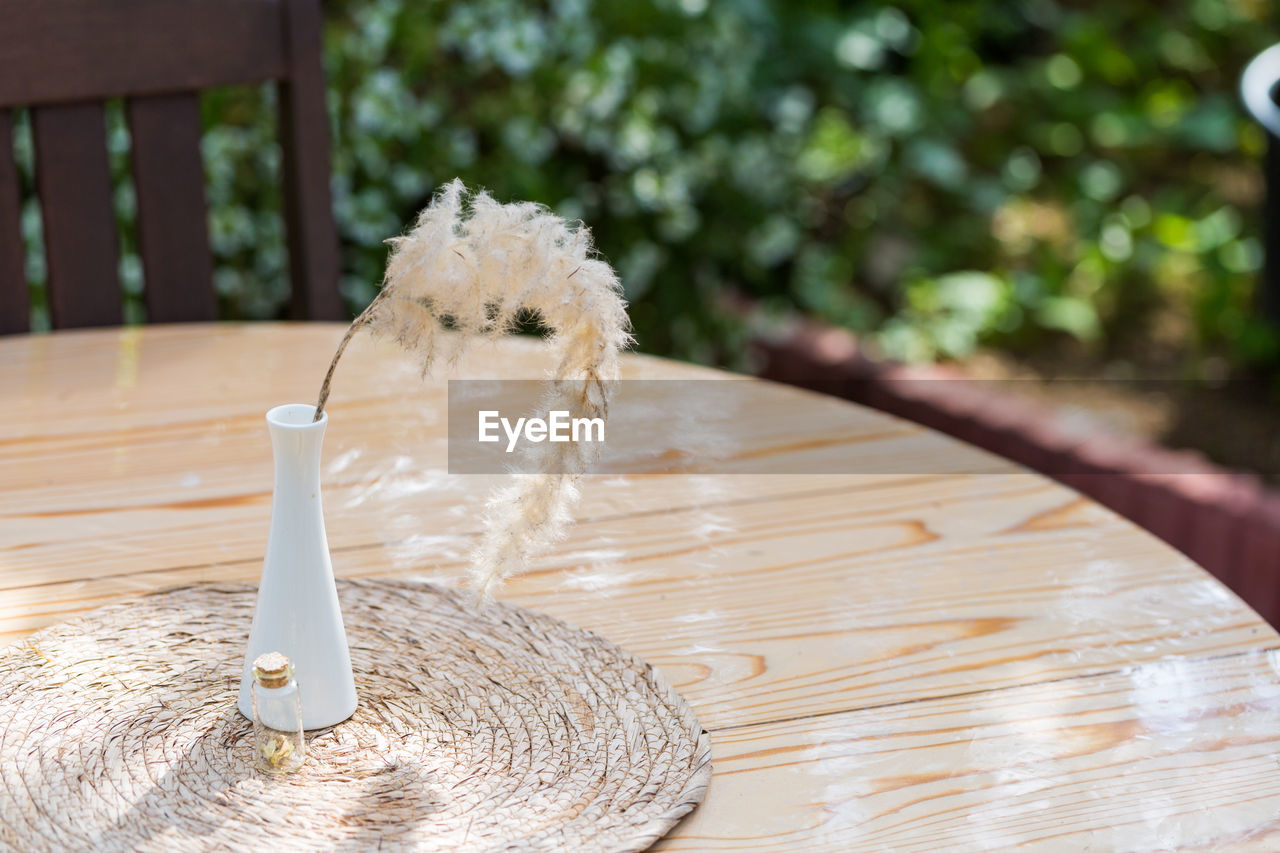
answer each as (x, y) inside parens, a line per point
(295, 444)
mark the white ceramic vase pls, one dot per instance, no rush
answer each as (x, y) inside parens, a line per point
(297, 611)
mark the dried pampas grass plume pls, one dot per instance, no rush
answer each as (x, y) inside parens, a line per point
(477, 266)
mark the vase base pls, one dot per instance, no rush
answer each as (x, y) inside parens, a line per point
(312, 722)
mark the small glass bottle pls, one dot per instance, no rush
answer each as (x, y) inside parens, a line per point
(278, 743)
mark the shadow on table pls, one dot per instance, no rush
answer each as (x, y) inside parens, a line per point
(212, 792)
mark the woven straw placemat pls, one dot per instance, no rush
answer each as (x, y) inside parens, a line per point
(489, 728)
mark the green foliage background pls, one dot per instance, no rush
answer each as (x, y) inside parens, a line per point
(932, 174)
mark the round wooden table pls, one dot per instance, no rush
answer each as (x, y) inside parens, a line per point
(938, 651)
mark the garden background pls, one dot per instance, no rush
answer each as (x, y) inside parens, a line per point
(1067, 185)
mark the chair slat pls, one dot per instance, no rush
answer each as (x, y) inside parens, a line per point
(76, 50)
(304, 136)
(15, 307)
(73, 181)
(172, 228)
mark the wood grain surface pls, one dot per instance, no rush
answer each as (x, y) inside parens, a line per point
(930, 649)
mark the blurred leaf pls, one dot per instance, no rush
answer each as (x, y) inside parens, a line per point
(835, 150)
(1074, 316)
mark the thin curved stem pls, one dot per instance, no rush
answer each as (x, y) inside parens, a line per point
(359, 321)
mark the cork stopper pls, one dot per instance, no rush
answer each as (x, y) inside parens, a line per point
(272, 670)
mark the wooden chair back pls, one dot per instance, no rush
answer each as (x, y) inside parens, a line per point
(63, 58)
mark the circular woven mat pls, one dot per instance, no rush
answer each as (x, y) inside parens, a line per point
(478, 729)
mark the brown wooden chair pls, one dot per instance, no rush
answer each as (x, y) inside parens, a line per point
(63, 58)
